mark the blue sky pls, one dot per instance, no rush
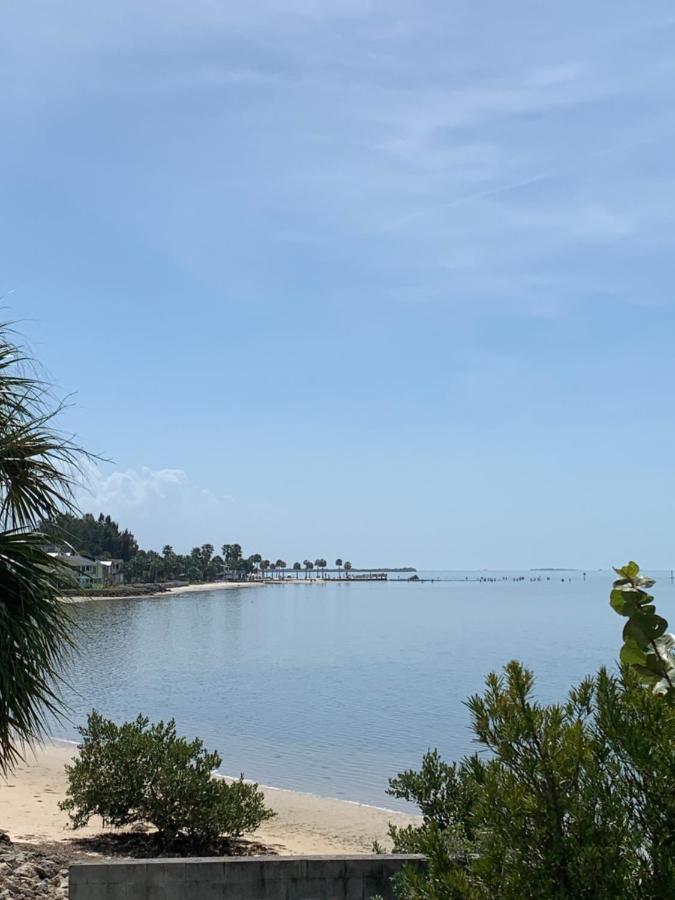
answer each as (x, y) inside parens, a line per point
(390, 281)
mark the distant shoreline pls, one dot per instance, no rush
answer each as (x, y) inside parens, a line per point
(195, 589)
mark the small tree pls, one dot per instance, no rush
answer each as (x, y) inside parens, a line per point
(347, 568)
(338, 565)
(296, 568)
(138, 773)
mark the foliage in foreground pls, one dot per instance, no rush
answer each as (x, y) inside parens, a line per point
(647, 649)
(36, 470)
(142, 773)
(574, 800)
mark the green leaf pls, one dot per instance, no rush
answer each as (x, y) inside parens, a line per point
(644, 627)
(656, 625)
(627, 603)
(655, 664)
(646, 675)
(632, 654)
(630, 571)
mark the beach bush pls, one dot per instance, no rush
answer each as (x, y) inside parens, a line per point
(572, 800)
(142, 773)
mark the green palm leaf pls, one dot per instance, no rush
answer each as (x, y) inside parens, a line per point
(38, 471)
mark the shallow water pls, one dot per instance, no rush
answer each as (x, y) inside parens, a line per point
(333, 688)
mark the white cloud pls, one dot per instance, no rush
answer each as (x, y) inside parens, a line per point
(131, 488)
(165, 506)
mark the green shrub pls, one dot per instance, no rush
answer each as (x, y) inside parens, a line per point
(572, 800)
(142, 773)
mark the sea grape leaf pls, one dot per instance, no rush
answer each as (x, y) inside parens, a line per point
(644, 627)
(655, 664)
(630, 570)
(646, 675)
(624, 602)
(632, 654)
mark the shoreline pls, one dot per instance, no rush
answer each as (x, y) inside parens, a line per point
(305, 824)
(194, 589)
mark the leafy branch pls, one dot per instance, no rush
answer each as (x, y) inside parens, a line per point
(647, 649)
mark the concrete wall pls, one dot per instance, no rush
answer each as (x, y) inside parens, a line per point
(239, 878)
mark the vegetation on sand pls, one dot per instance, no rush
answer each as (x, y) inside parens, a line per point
(142, 773)
(102, 538)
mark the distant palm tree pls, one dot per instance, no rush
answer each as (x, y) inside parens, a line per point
(338, 565)
(296, 569)
(308, 567)
(281, 565)
(264, 566)
(37, 470)
(348, 568)
(317, 563)
(256, 559)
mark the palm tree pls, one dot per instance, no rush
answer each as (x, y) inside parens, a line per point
(317, 563)
(308, 567)
(255, 559)
(338, 565)
(264, 566)
(281, 565)
(38, 468)
(348, 568)
(296, 569)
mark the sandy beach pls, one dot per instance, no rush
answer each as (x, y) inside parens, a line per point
(197, 588)
(305, 823)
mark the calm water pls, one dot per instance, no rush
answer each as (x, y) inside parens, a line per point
(333, 688)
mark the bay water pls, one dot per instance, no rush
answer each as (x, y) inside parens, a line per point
(333, 688)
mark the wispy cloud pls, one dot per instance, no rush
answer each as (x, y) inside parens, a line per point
(527, 181)
(167, 506)
(430, 151)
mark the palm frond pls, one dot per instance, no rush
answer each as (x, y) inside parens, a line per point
(34, 639)
(39, 468)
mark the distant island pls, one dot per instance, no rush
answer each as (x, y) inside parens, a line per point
(386, 569)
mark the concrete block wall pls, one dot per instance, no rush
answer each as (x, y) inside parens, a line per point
(240, 878)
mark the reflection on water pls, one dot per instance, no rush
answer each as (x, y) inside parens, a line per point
(333, 688)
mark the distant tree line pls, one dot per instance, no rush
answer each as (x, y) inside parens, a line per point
(98, 538)
(204, 564)
(102, 538)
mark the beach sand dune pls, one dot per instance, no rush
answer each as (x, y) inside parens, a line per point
(305, 824)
